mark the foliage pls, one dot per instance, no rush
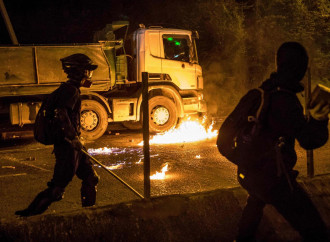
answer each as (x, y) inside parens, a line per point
(292, 20)
(267, 24)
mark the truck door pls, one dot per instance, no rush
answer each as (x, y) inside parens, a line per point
(177, 62)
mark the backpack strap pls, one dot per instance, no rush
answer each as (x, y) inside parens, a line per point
(255, 118)
(262, 101)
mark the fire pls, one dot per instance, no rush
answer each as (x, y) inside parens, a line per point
(188, 131)
(160, 175)
(107, 151)
(120, 154)
(116, 166)
(139, 162)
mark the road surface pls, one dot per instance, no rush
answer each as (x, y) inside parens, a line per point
(26, 167)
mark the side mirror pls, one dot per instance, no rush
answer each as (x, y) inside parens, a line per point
(195, 34)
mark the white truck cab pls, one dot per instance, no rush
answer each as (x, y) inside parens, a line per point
(168, 54)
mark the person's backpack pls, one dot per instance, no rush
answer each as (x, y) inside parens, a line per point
(44, 128)
(239, 138)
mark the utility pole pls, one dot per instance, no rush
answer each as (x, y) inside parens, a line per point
(146, 148)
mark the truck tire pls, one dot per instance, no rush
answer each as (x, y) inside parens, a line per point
(94, 119)
(163, 114)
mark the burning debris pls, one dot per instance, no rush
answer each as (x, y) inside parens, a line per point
(103, 151)
(160, 175)
(120, 154)
(119, 165)
(113, 151)
(139, 162)
(188, 131)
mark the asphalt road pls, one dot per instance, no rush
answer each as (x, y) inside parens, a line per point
(26, 166)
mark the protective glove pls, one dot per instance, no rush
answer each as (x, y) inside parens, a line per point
(76, 144)
(320, 111)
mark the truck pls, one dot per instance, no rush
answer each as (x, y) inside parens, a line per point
(28, 73)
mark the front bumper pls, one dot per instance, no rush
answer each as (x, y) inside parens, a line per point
(194, 105)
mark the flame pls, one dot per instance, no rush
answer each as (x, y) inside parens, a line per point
(160, 175)
(188, 131)
(119, 153)
(108, 151)
(116, 166)
(104, 150)
(139, 162)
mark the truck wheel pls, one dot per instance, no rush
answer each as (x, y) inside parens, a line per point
(162, 114)
(94, 119)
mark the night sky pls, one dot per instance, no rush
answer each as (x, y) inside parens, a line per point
(62, 21)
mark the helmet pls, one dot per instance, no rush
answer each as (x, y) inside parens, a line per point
(292, 62)
(291, 54)
(77, 62)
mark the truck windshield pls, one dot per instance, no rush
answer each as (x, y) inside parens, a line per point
(178, 47)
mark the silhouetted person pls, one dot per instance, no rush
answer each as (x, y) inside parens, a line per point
(284, 123)
(70, 161)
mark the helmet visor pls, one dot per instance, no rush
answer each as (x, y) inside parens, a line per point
(91, 67)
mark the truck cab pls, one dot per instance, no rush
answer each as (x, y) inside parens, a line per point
(175, 77)
(168, 55)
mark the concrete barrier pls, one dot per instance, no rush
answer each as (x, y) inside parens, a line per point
(207, 216)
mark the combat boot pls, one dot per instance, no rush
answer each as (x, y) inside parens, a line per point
(42, 201)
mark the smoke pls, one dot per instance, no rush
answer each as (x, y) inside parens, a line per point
(224, 83)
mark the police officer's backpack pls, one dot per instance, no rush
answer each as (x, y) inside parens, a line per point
(240, 138)
(44, 126)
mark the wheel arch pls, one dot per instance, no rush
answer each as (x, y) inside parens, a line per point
(166, 91)
(97, 97)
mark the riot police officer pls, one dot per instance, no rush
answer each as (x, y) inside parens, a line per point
(70, 160)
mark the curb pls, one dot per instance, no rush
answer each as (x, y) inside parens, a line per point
(207, 216)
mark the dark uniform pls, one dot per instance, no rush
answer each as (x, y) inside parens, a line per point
(285, 122)
(70, 161)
